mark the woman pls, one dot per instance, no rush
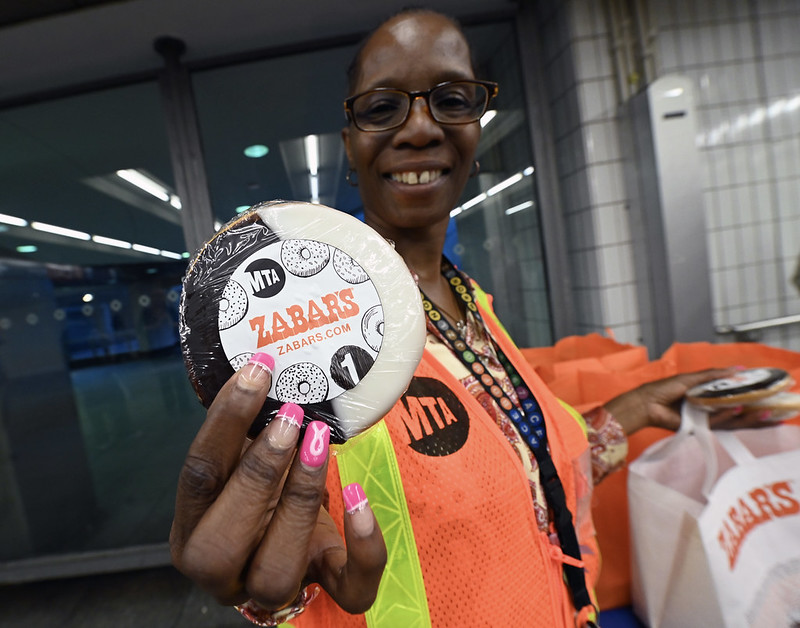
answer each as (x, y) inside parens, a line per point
(255, 525)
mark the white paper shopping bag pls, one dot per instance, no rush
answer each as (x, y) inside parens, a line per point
(715, 527)
(751, 535)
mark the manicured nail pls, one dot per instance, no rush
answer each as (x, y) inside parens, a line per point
(285, 427)
(354, 498)
(314, 450)
(357, 506)
(739, 367)
(765, 416)
(254, 374)
(738, 409)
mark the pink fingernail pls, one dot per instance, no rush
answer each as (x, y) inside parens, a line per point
(284, 428)
(357, 506)
(264, 360)
(254, 373)
(354, 498)
(291, 413)
(765, 416)
(314, 450)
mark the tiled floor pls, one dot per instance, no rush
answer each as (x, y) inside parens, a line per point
(153, 598)
(93, 470)
(94, 467)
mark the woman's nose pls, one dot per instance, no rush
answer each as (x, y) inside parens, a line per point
(419, 128)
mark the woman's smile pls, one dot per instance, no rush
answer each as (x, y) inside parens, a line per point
(415, 178)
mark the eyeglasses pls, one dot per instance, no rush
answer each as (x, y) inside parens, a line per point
(453, 102)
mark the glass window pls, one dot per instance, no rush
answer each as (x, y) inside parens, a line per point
(95, 407)
(499, 240)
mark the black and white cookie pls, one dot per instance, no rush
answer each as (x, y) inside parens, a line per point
(743, 388)
(346, 336)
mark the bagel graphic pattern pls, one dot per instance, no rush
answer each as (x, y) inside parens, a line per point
(347, 268)
(304, 258)
(314, 325)
(232, 305)
(238, 361)
(302, 383)
(372, 327)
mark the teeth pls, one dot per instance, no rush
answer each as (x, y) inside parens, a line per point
(414, 178)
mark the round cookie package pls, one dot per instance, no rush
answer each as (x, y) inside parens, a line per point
(744, 388)
(320, 291)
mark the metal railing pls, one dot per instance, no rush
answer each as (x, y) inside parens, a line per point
(747, 332)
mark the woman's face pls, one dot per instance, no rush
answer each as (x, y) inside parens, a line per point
(412, 53)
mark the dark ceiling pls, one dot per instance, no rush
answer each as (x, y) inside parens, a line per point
(16, 11)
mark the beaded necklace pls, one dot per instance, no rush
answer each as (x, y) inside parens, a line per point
(527, 417)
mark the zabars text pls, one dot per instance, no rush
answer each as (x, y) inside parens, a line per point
(754, 508)
(300, 318)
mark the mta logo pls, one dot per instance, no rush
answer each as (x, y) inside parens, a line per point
(436, 421)
(266, 278)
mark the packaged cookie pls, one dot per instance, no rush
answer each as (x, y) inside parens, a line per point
(321, 292)
(764, 388)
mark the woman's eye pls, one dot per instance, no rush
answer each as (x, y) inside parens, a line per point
(378, 108)
(453, 100)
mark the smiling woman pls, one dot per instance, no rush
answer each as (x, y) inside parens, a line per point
(412, 135)
(411, 141)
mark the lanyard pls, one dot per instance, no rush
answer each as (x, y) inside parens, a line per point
(527, 417)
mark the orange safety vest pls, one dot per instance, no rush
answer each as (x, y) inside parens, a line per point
(482, 558)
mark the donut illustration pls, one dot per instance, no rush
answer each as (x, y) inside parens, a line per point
(232, 305)
(372, 326)
(304, 258)
(347, 268)
(238, 361)
(302, 383)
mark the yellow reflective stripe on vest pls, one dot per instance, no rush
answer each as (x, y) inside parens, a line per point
(369, 459)
(575, 415)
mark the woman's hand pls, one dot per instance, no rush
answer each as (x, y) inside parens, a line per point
(658, 404)
(249, 524)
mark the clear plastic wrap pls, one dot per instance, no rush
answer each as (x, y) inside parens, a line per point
(320, 291)
(757, 388)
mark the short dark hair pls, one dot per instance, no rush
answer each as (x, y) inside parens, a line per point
(355, 64)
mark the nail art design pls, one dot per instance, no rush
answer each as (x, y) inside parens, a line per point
(283, 430)
(264, 360)
(254, 374)
(290, 414)
(357, 506)
(354, 498)
(314, 450)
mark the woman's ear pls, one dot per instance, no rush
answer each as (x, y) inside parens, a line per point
(347, 149)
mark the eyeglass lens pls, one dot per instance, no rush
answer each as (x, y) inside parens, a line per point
(453, 103)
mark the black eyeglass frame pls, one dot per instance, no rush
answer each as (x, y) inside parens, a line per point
(491, 88)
